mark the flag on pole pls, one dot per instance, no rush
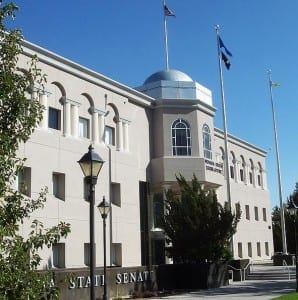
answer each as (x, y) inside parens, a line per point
(223, 55)
(225, 60)
(222, 45)
(274, 83)
(168, 12)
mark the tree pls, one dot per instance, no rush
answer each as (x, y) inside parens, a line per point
(196, 225)
(19, 114)
(290, 223)
(276, 229)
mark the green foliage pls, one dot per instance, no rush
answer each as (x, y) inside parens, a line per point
(19, 114)
(196, 225)
(276, 229)
(291, 296)
(291, 224)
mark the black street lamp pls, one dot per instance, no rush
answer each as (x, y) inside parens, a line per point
(104, 209)
(292, 208)
(91, 164)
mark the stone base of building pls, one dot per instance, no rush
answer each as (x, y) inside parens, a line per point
(140, 281)
(191, 276)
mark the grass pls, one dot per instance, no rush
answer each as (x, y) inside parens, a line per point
(292, 296)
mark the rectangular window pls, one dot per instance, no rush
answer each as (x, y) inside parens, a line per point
(54, 118)
(264, 214)
(59, 255)
(238, 210)
(242, 175)
(232, 175)
(256, 213)
(208, 154)
(240, 254)
(110, 135)
(258, 248)
(250, 178)
(59, 185)
(117, 254)
(116, 193)
(249, 249)
(84, 131)
(87, 253)
(267, 248)
(23, 181)
(247, 214)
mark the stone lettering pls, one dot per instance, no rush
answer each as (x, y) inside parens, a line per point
(125, 277)
(99, 280)
(88, 282)
(132, 277)
(80, 281)
(140, 278)
(118, 278)
(72, 284)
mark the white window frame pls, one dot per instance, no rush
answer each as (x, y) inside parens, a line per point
(84, 128)
(109, 135)
(57, 125)
(181, 138)
(207, 142)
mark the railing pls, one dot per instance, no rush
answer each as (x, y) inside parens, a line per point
(242, 276)
(284, 263)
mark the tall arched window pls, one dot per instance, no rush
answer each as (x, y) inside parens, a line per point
(232, 164)
(207, 142)
(181, 139)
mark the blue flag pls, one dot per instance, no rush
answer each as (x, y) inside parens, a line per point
(168, 12)
(225, 60)
(222, 45)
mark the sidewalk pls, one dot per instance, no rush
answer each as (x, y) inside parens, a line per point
(250, 289)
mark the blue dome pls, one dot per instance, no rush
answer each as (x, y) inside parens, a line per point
(169, 75)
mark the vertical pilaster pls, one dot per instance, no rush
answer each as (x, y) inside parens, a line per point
(74, 121)
(119, 135)
(236, 170)
(101, 130)
(67, 118)
(246, 174)
(43, 99)
(95, 127)
(125, 137)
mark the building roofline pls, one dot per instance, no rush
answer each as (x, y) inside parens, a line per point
(237, 141)
(66, 65)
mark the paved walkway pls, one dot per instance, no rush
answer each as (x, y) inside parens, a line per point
(250, 289)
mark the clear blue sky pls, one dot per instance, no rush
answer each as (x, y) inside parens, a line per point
(124, 41)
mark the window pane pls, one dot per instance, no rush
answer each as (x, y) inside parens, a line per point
(83, 128)
(54, 118)
(109, 135)
(59, 185)
(181, 139)
(207, 142)
(23, 181)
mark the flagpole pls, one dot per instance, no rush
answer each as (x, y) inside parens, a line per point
(282, 216)
(226, 156)
(165, 35)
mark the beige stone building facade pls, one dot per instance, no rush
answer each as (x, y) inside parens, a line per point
(146, 136)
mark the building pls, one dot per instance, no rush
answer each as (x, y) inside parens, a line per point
(146, 136)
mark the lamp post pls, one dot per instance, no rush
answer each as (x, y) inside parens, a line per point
(91, 164)
(292, 208)
(104, 209)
